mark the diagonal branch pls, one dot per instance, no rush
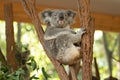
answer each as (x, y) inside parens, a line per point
(108, 52)
(96, 69)
(105, 43)
(29, 6)
(115, 44)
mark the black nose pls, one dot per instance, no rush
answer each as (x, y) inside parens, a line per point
(61, 16)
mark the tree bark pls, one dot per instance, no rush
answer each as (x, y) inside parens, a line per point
(74, 70)
(87, 48)
(87, 42)
(29, 6)
(72, 73)
(11, 61)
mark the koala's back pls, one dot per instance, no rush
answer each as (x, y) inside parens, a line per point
(51, 47)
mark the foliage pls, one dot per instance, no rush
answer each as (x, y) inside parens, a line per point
(7, 74)
(46, 76)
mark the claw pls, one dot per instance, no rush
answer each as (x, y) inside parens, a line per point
(83, 30)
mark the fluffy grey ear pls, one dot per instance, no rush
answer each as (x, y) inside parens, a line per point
(71, 13)
(71, 17)
(45, 16)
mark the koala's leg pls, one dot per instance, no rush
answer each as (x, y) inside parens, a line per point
(70, 56)
(67, 52)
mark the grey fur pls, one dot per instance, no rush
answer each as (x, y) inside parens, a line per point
(59, 38)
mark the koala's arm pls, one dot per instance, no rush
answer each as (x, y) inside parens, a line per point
(52, 33)
(77, 37)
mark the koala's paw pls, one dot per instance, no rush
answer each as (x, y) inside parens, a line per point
(82, 30)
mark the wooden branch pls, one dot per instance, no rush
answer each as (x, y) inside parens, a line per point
(115, 44)
(87, 48)
(72, 73)
(2, 58)
(74, 70)
(29, 6)
(87, 42)
(11, 60)
(19, 33)
(108, 52)
(105, 42)
(96, 69)
(118, 60)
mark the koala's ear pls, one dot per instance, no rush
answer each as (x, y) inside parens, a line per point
(45, 15)
(71, 13)
(71, 16)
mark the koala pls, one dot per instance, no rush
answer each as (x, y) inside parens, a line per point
(59, 38)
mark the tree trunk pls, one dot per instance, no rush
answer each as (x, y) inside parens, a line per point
(87, 48)
(11, 61)
(87, 42)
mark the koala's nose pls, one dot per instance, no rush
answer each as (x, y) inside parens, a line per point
(61, 16)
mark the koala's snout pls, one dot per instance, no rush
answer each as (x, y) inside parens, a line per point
(61, 16)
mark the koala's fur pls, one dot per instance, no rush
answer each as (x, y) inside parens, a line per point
(59, 39)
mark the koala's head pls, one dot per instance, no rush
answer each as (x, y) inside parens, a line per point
(58, 18)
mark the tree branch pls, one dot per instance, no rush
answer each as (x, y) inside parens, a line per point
(73, 74)
(2, 58)
(96, 69)
(108, 52)
(118, 60)
(29, 6)
(11, 60)
(105, 42)
(115, 44)
(87, 42)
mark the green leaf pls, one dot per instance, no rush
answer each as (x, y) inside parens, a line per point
(33, 77)
(33, 64)
(46, 76)
(29, 63)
